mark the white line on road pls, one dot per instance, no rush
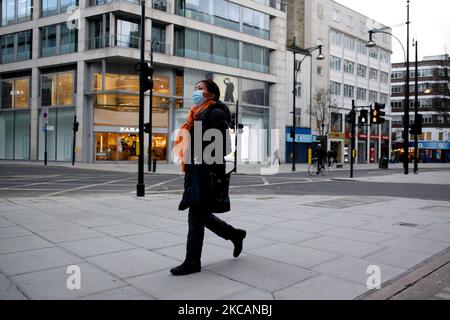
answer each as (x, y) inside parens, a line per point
(265, 181)
(85, 187)
(38, 183)
(161, 183)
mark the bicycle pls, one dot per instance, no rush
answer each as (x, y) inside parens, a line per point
(314, 170)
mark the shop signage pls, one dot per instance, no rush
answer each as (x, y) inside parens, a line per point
(373, 137)
(362, 136)
(44, 115)
(336, 135)
(49, 128)
(302, 135)
(432, 145)
(128, 130)
(385, 137)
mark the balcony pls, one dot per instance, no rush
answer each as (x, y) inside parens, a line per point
(160, 5)
(125, 41)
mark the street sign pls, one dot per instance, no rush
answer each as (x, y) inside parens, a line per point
(49, 128)
(44, 115)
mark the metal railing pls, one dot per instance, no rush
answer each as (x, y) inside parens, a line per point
(161, 5)
(113, 40)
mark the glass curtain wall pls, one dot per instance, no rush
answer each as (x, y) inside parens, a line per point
(16, 11)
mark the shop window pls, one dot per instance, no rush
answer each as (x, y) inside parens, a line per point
(57, 89)
(336, 122)
(15, 93)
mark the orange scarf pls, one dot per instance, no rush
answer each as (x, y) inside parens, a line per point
(182, 142)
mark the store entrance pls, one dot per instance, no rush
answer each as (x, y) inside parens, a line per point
(112, 146)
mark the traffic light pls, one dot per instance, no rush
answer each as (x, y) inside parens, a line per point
(363, 117)
(147, 71)
(416, 127)
(380, 113)
(373, 116)
(147, 127)
(75, 126)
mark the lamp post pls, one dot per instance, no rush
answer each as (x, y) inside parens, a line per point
(372, 44)
(296, 69)
(416, 111)
(140, 188)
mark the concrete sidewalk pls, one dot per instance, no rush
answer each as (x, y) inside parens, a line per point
(164, 168)
(298, 247)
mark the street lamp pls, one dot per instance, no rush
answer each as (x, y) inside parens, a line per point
(370, 44)
(307, 52)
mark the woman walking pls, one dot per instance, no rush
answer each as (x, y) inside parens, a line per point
(205, 185)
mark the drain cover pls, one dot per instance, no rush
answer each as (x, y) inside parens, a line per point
(406, 224)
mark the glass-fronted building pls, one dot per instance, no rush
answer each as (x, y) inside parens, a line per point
(87, 68)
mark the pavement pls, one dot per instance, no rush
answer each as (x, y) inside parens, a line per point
(298, 246)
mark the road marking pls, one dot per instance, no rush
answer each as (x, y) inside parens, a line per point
(39, 183)
(265, 181)
(160, 184)
(84, 187)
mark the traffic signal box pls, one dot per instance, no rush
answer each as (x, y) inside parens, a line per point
(363, 119)
(416, 127)
(376, 115)
(147, 76)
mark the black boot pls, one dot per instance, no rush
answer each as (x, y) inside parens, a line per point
(237, 240)
(187, 267)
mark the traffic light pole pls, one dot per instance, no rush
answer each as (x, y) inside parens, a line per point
(150, 121)
(45, 142)
(140, 188)
(74, 139)
(353, 119)
(416, 113)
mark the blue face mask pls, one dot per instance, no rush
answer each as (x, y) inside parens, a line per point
(197, 97)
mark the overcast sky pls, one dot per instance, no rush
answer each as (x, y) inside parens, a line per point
(430, 23)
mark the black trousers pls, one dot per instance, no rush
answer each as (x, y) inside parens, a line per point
(199, 219)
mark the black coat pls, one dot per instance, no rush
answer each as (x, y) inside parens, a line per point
(206, 185)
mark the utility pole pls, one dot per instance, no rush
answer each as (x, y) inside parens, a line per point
(353, 119)
(406, 109)
(416, 112)
(75, 130)
(150, 135)
(294, 129)
(45, 150)
(140, 188)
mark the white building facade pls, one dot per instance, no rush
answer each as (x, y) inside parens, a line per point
(78, 57)
(350, 71)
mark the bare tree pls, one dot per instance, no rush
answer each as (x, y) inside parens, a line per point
(323, 100)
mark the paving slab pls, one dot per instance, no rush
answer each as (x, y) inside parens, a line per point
(125, 293)
(283, 234)
(23, 243)
(154, 240)
(261, 273)
(305, 226)
(96, 246)
(198, 286)
(124, 229)
(296, 255)
(355, 269)
(8, 290)
(416, 244)
(322, 287)
(35, 260)
(51, 284)
(131, 263)
(406, 259)
(78, 233)
(436, 235)
(358, 235)
(14, 231)
(341, 246)
(56, 224)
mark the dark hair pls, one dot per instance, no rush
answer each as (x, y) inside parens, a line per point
(212, 87)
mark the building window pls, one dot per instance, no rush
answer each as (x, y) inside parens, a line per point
(320, 11)
(255, 58)
(16, 11)
(336, 122)
(384, 56)
(373, 53)
(15, 135)
(203, 46)
(255, 92)
(159, 36)
(362, 49)
(349, 43)
(58, 39)
(363, 26)
(349, 67)
(57, 89)
(373, 74)
(362, 71)
(335, 63)
(335, 88)
(336, 16)
(15, 93)
(255, 23)
(53, 7)
(350, 22)
(349, 91)
(441, 136)
(298, 89)
(128, 34)
(16, 46)
(384, 77)
(361, 94)
(336, 38)
(397, 89)
(373, 96)
(384, 98)
(397, 75)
